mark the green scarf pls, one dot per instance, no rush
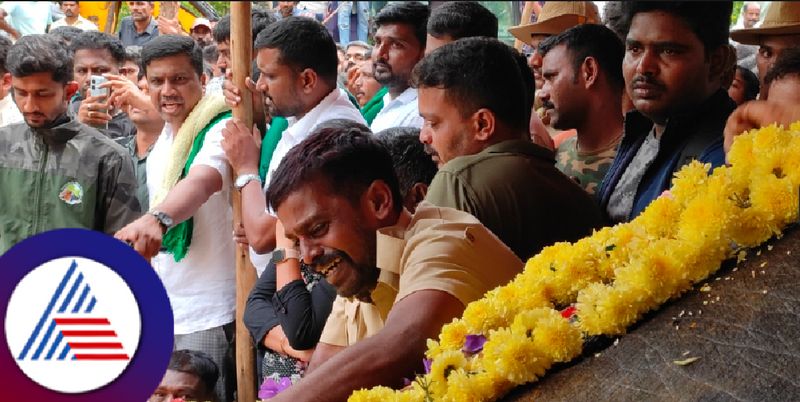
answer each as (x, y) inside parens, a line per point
(178, 238)
(268, 144)
(374, 106)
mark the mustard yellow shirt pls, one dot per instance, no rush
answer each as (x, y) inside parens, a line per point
(437, 249)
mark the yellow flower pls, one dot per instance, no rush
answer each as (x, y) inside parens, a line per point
(376, 394)
(513, 357)
(689, 181)
(442, 367)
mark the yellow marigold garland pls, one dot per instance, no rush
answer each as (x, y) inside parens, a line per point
(616, 275)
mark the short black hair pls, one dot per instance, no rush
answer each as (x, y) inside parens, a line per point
(787, 63)
(411, 13)
(5, 45)
(302, 43)
(40, 54)
(66, 33)
(462, 19)
(477, 73)
(96, 40)
(411, 163)
(751, 85)
(709, 20)
(259, 19)
(349, 159)
(171, 45)
(195, 363)
(616, 18)
(528, 82)
(595, 41)
(210, 53)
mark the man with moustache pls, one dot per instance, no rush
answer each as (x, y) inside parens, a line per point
(675, 54)
(399, 277)
(399, 44)
(140, 27)
(77, 177)
(190, 217)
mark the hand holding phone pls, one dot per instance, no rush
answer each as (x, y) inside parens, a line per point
(96, 91)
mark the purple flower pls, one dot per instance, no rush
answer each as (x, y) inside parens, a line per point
(473, 344)
(270, 387)
(406, 381)
(427, 363)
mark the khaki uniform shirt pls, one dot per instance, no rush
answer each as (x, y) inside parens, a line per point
(438, 249)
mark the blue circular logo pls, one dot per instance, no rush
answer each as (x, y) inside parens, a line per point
(85, 317)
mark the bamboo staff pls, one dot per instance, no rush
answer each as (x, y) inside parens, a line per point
(241, 56)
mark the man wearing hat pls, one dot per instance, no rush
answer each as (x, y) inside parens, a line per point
(556, 17)
(779, 31)
(201, 32)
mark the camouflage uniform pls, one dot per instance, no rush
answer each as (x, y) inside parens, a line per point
(69, 176)
(587, 169)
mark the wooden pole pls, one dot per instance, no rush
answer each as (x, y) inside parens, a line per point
(241, 56)
(525, 19)
(111, 16)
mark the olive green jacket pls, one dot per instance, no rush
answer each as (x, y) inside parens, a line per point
(68, 176)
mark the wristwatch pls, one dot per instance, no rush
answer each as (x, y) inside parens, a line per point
(164, 220)
(243, 179)
(282, 254)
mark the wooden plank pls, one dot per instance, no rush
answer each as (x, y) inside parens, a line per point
(241, 57)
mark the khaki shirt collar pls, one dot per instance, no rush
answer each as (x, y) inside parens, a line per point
(390, 247)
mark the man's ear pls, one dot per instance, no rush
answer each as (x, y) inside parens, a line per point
(308, 80)
(6, 82)
(378, 200)
(70, 89)
(483, 122)
(589, 71)
(416, 194)
(203, 79)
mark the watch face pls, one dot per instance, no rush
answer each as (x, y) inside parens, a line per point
(278, 255)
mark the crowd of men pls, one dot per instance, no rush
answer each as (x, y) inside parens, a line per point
(384, 186)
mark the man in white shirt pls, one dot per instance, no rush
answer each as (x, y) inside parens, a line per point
(399, 44)
(190, 215)
(9, 112)
(73, 18)
(297, 60)
(27, 17)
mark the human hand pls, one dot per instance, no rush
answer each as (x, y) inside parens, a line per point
(239, 235)
(169, 26)
(233, 95)
(124, 93)
(94, 111)
(302, 355)
(242, 146)
(756, 114)
(144, 234)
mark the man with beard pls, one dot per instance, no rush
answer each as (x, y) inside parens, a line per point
(98, 53)
(582, 71)
(73, 18)
(140, 27)
(77, 177)
(201, 32)
(676, 53)
(297, 61)
(401, 31)
(476, 119)
(188, 181)
(399, 277)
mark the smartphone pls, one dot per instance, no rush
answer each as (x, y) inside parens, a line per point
(94, 86)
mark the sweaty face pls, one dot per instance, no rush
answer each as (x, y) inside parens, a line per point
(770, 48)
(175, 88)
(279, 83)
(665, 67)
(177, 384)
(334, 236)
(40, 99)
(89, 62)
(397, 50)
(446, 134)
(561, 92)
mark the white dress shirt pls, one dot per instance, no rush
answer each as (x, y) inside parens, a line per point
(402, 111)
